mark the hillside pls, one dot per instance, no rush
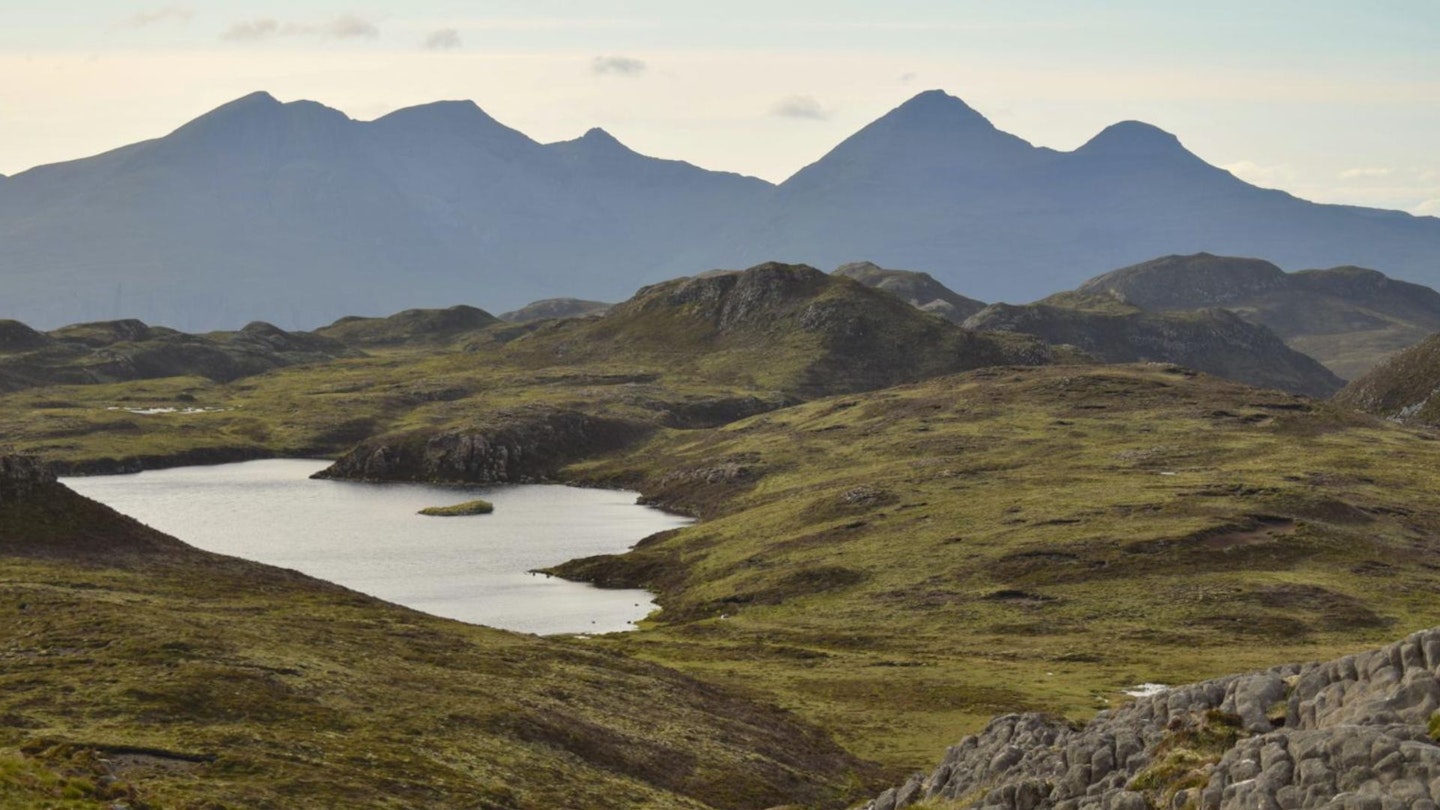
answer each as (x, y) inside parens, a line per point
(1215, 341)
(901, 565)
(297, 214)
(774, 334)
(1304, 736)
(1403, 387)
(120, 351)
(555, 308)
(1348, 318)
(687, 353)
(918, 289)
(141, 672)
(410, 327)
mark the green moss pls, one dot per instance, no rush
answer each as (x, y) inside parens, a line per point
(475, 507)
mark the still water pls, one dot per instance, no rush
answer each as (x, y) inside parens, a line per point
(368, 537)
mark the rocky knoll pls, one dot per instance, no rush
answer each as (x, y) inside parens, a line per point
(1348, 318)
(1357, 732)
(521, 446)
(412, 326)
(782, 327)
(1213, 340)
(1403, 387)
(920, 290)
(548, 308)
(119, 351)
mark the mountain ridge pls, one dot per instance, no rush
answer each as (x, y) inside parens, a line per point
(296, 213)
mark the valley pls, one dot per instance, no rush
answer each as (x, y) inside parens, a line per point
(906, 527)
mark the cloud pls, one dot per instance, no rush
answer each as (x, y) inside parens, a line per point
(906, 78)
(1351, 174)
(1269, 176)
(140, 19)
(799, 107)
(446, 39)
(617, 66)
(346, 26)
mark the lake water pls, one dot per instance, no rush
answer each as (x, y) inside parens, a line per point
(368, 537)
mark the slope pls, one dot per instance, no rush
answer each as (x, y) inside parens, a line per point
(1215, 341)
(1403, 387)
(143, 672)
(901, 565)
(1348, 318)
(918, 289)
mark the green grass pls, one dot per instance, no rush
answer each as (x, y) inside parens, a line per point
(133, 663)
(901, 565)
(475, 507)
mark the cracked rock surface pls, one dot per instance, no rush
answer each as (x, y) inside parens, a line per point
(1348, 734)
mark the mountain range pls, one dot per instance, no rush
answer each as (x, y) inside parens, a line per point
(297, 214)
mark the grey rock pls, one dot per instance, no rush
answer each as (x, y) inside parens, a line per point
(1355, 736)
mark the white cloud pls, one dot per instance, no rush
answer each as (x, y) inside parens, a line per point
(164, 14)
(346, 26)
(1268, 176)
(1352, 174)
(908, 77)
(806, 107)
(445, 39)
(617, 66)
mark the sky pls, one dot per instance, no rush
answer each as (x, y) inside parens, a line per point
(1332, 101)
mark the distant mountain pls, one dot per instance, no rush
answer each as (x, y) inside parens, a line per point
(118, 351)
(1215, 341)
(1348, 318)
(919, 289)
(410, 327)
(297, 214)
(555, 308)
(935, 185)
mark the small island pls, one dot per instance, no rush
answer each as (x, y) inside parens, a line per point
(475, 507)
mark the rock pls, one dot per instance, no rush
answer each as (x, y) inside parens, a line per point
(1356, 735)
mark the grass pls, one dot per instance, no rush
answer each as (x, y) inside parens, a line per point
(894, 566)
(901, 565)
(475, 507)
(134, 667)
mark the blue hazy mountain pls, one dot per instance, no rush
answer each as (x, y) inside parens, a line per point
(297, 214)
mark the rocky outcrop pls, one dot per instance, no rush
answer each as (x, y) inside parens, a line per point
(520, 447)
(1351, 733)
(22, 477)
(1348, 318)
(1403, 388)
(1215, 341)
(782, 327)
(920, 290)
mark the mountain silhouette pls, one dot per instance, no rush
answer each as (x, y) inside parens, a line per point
(297, 214)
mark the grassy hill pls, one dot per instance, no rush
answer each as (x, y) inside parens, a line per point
(137, 670)
(900, 565)
(1348, 318)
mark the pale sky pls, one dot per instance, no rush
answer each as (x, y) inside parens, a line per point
(1332, 101)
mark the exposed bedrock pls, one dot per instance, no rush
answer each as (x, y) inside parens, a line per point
(1347, 734)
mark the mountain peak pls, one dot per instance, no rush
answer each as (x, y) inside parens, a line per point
(1131, 139)
(939, 109)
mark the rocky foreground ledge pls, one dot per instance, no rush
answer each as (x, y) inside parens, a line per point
(1352, 734)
